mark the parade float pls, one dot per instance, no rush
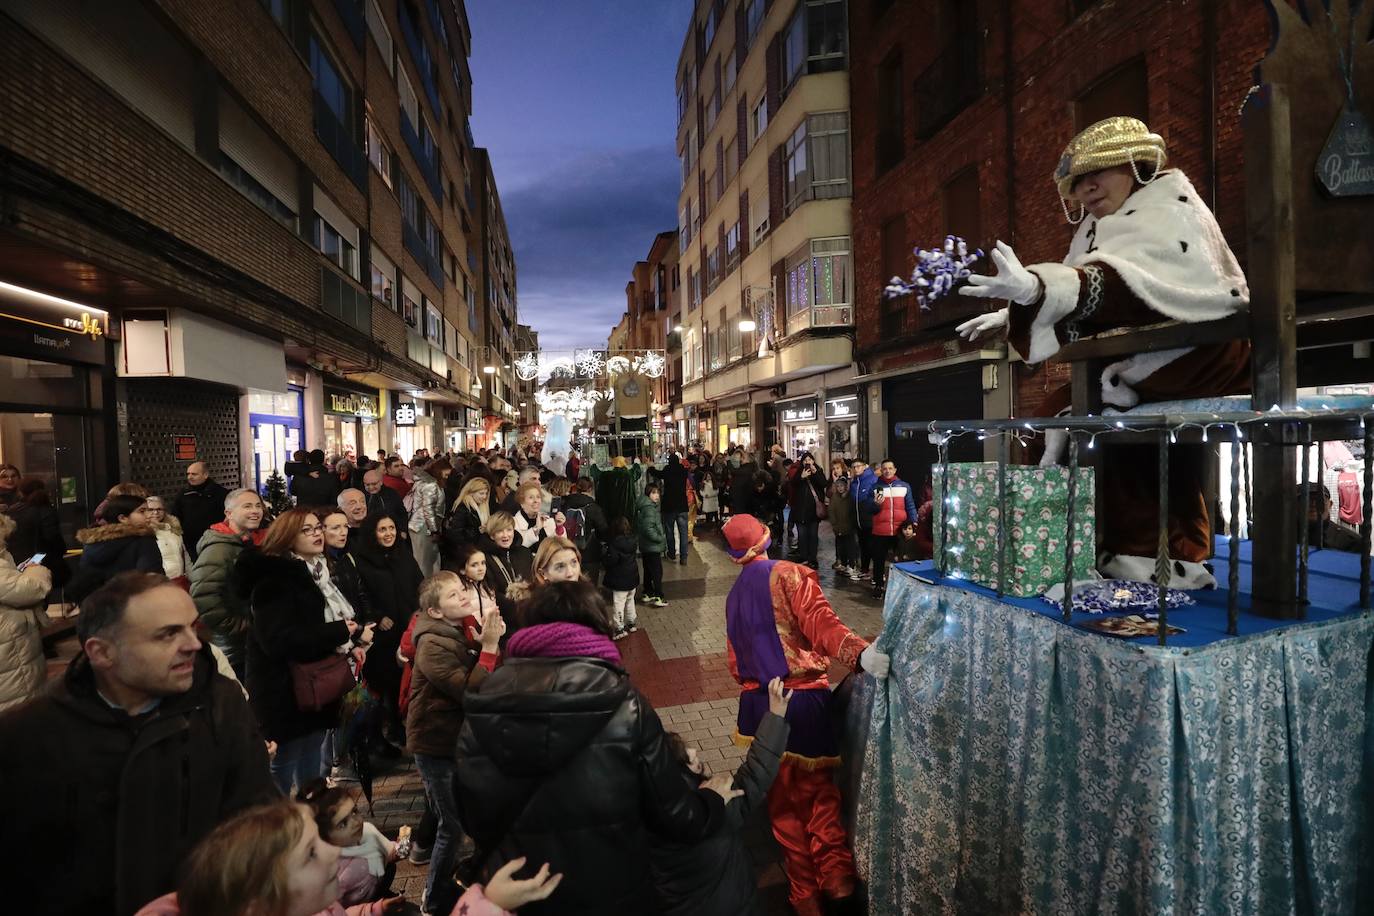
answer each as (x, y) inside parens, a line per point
(1120, 685)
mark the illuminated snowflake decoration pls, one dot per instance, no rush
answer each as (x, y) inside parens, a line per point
(527, 366)
(617, 364)
(591, 364)
(651, 363)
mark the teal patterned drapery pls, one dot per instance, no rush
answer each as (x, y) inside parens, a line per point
(1011, 764)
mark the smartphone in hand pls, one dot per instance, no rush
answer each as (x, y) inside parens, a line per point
(35, 560)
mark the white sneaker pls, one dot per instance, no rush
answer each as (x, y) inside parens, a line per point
(659, 602)
(852, 573)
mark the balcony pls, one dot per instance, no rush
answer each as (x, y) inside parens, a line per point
(820, 316)
(415, 244)
(345, 300)
(338, 139)
(351, 14)
(429, 165)
(410, 29)
(949, 85)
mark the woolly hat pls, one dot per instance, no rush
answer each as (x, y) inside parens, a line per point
(746, 536)
(1115, 141)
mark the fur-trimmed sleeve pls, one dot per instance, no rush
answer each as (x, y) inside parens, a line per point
(1077, 302)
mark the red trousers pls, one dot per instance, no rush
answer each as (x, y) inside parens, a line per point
(804, 806)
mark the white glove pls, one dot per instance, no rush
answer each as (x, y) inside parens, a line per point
(975, 327)
(1012, 282)
(874, 662)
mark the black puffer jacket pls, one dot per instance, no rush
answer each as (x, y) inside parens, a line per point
(108, 550)
(622, 571)
(563, 761)
(288, 626)
(504, 568)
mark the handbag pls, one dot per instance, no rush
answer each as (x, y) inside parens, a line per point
(318, 684)
(822, 512)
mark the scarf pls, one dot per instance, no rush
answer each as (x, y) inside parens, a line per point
(336, 606)
(562, 640)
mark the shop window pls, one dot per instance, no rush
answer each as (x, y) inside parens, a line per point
(1123, 92)
(891, 127)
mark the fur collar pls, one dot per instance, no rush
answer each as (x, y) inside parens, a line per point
(102, 533)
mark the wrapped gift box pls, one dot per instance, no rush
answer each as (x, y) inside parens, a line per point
(1037, 502)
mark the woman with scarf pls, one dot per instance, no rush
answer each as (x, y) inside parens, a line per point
(1147, 250)
(392, 579)
(561, 759)
(510, 564)
(299, 616)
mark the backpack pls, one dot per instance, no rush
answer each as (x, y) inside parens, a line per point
(575, 527)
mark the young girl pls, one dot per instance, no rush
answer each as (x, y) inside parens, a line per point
(367, 859)
(453, 651)
(842, 523)
(710, 499)
(622, 576)
(652, 543)
(272, 861)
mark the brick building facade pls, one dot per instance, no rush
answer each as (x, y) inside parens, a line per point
(264, 197)
(960, 111)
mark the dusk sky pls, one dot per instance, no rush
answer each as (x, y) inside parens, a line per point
(576, 102)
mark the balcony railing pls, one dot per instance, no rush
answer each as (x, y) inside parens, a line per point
(351, 13)
(338, 139)
(949, 85)
(821, 316)
(429, 164)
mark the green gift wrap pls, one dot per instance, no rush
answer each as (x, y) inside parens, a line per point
(1037, 500)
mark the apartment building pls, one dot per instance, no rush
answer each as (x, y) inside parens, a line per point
(233, 230)
(961, 110)
(497, 299)
(764, 221)
(527, 412)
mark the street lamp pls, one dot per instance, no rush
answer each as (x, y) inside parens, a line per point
(677, 329)
(489, 370)
(746, 325)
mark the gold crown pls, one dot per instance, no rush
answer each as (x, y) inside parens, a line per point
(1115, 141)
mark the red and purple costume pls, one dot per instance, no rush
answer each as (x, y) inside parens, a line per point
(779, 624)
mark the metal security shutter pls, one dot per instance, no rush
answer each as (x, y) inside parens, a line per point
(954, 393)
(256, 152)
(159, 409)
(125, 48)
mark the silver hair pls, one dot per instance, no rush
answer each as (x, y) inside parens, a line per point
(340, 499)
(234, 495)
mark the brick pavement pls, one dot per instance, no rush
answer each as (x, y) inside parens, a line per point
(677, 660)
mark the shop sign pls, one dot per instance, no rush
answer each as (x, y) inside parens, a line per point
(1346, 165)
(57, 326)
(404, 414)
(799, 411)
(350, 403)
(658, 424)
(184, 447)
(742, 417)
(845, 408)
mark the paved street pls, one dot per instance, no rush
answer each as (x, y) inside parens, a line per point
(678, 660)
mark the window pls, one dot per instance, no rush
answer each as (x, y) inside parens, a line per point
(758, 123)
(698, 362)
(1125, 92)
(434, 323)
(383, 278)
(733, 344)
(337, 247)
(470, 295)
(693, 289)
(688, 157)
(818, 285)
(712, 188)
(731, 160)
(816, 159)
(410, 102)
(713, 106)
(728, 70)
(732, 246)
(753, 19)
(793, 47)
(758, 206)
(897, 259)
(708, 29)
(688, 368)
(254, 162)
(410, 201)
(376, 24)
(685, 227)
(410, 303)
(962, 208)
(685, 87)
(329, 82)
(891, 127)
(713, 271)
(826, 35)
(378, 153)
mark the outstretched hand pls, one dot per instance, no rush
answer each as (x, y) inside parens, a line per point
(508, 893)
(1012, 281)
(989, 322)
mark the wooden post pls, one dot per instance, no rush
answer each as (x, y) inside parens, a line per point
(1272, 276)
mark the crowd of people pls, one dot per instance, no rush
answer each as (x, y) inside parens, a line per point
(192, 758)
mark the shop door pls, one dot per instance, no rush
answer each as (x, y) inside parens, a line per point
(273, 445)
(53, 447)
(955, 393)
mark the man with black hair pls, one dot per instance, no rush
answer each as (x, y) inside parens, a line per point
(314, 485)
(117, 771)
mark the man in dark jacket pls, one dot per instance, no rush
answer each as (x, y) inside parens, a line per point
(314, 485)
(199, 506)
(863, 480)
(673, 506)
(138, 752)
(383, 500)
(581, 512)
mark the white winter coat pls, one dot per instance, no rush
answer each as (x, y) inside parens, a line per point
(22, 667)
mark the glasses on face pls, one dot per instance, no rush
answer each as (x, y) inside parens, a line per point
(311, 529)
